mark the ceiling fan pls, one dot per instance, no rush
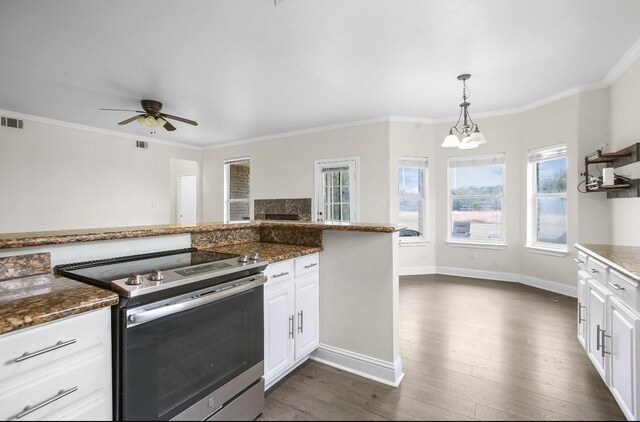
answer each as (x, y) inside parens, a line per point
(152, 117)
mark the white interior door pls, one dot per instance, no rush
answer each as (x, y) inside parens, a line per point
(187, 200)
(337, 190)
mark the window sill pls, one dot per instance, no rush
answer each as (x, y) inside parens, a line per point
(547, 251)
(478, 245)
(413, 243)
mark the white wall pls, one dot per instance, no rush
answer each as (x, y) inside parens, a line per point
(53, 177)
(284, 168)
(624, 115)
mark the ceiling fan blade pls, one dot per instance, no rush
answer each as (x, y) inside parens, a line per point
(119, 109)
(124, 122)
(180, 119)
(169, 127)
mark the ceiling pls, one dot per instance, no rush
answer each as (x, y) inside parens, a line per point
(247, 68)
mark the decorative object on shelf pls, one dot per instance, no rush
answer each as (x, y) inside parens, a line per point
(471, 135)
(615, 185)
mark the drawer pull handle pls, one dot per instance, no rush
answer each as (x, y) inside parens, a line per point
(56, 346)
(30, 409)
(291, 326)
(279, 275)
(313, 264)
(602, 344)
(598, 337)
(580, 307)
(301, 322)
(593, 271)
(616, 286)
(579, 261)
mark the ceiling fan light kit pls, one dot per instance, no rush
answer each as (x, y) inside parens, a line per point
(152, 116)
(472, 137)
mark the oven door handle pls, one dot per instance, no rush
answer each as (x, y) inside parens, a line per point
(239, 287)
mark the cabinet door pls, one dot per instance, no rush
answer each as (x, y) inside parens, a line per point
(622, 348)
(307, 314)
(596, 318)
(279, 328)
(582, 310)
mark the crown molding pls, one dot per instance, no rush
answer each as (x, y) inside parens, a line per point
(62, 123)
(316, 129)
(623, 64)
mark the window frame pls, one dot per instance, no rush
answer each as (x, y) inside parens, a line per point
(228, 201)
(424, 238)
(353, 164)
(490, 244)
(532, 242)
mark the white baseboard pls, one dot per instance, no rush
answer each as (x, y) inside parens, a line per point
(539, 283)
(417, 270)
(270, 383)
(389, 373)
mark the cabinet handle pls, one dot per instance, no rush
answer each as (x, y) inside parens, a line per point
(313, 264)
(291, 326)
(301, 322)
(616, 286)
(56, 346)
(579, 261)
(30, 409)
(598, 337)
(580, 307)
(602, 344)
(593, 270)
(279, 275)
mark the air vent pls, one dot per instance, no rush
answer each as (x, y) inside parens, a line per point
(142, 144)
(11, 122)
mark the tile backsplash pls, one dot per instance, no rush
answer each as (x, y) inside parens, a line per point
(300, 206)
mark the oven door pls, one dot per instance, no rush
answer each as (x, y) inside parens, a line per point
(179, 351)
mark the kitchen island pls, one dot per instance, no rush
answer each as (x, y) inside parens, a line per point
(358, 278)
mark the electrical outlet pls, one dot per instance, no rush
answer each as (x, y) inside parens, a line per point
(154, 205)
(473, 255)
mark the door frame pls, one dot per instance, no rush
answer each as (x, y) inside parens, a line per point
(179, 194)
(354, 165)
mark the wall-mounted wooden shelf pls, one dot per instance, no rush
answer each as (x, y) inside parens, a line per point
(626, 156)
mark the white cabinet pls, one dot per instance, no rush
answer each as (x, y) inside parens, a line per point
(307, 314)
(608, 328)
(596, 315)
(291, 315)
(58, 370)
(582, 314)
(279, 310)
(622, 346)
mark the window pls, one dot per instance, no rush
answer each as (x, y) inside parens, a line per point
(336, 190)
(237, 189)
(412, 187)
(547, 188)
(476, 193)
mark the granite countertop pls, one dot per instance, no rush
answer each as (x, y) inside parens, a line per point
(625, 259)
(274, 252)
(30, 239)
(29, 301)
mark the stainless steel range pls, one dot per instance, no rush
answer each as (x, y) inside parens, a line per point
(188, 333)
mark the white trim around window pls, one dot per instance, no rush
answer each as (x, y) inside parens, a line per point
(477, 161)
(228, 201)
(352, 165)
(534, 197)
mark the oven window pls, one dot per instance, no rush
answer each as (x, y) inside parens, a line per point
(173, 362)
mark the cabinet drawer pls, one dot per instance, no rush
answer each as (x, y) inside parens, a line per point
(279, 271)
(623, 288)
(53, 391)
(30, 348)
(597, 270)
(582, 261)
(307, 264)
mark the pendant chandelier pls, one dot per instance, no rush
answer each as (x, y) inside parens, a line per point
(471, 135)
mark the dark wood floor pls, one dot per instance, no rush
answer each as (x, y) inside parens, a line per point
(471, 349)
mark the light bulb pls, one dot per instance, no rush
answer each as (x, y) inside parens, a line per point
(477, 137)
(467, 143)
(451, 141)
(160, 121)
